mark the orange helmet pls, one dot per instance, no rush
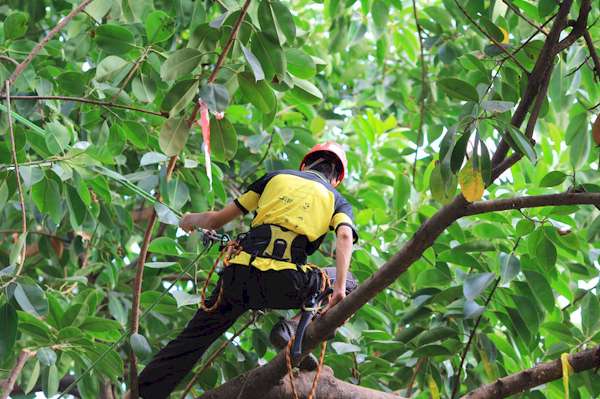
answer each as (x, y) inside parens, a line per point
(332, 148)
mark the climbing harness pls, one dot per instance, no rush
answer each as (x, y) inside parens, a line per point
(293, 351)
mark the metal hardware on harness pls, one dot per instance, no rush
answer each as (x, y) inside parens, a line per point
(309, 309)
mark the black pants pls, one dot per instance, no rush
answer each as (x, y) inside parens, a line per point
(244, 288)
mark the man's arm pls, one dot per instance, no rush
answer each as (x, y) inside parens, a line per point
(343, 253)
(210, 220)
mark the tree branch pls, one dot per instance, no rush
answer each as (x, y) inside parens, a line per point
(524, 17)
(535, 376)
(422, 99)
(13, 150)
(9, 384)
(579, 26)
(593, 53)
(490, 37)
(34, 52)
(87, 101)
(534, 201)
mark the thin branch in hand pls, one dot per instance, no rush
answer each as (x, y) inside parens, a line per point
(490, 37)
(38, 47)
(518, 12)
(87, 101)
(423, 86)
(13, 150)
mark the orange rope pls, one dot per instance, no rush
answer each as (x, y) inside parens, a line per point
(325, 283)
(230, 250)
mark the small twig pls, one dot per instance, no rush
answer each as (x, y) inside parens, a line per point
(530, 38)
(496, 42)
(214, 355)
(7, 58)
(87, 101)
(423, 85)
(570, 73)
(9, 383)
(414, 376)
(13, 149)
(471, 336)
(593, 53)
(42, 233)
(524, 17)
(38, 47)
(132, 72)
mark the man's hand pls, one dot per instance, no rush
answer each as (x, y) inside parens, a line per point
(338, 294)
(190, 222)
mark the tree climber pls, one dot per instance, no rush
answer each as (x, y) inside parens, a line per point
(293, 212)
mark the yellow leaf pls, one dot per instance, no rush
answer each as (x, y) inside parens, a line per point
(487, 366)
(505, 37)
(567, 370)
(471, 183)
(433, 388)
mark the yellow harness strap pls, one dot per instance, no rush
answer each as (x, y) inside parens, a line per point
(264, 264)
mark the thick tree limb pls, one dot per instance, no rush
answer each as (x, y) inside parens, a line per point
(264, 377)
(329, 387)
(9, 384)
(535, 376)
(87, 101)
(534, 201)
(35, 51)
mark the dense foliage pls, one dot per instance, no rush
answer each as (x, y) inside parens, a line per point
(421, 111)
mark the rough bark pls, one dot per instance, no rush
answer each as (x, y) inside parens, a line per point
(535, 376)
(9, 383)
(329, 387)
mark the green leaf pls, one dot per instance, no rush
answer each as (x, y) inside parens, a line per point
(17, 250)
(300, 64)
(185, 299)
(33, 378)
(431, 350)
(579, 150)
(435, 334)
(159, 265)
(99, 324)
(524, 227)
(546, 253)
(223, 140)
(497, 107)
(165, 215)
(16, 25)
(114, 39)
(258, 93)
(8, 332)
(47, 198)
(509, 267)
(306, 92)
(472, 309)
(276, 21)
(46, 356)
(520, 143)
(475, 284)
(97, 9)
(180, 63)
(50, 381)
(72, 82)
(577, 126)
(165, 246)
(159, 26)
(144, 88)
(109, 68)
(342, 347)
(173, 136)
(254, 63)
(180, 96)
(270, 55)
(215, 96)
(135, 133)
(140, 346)
(553, 178)
(401, 192)
(380, 11)
(594, 230)
(458, 89)
(590, 314)
(541, 289)
(57, 138)
(30, 297)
